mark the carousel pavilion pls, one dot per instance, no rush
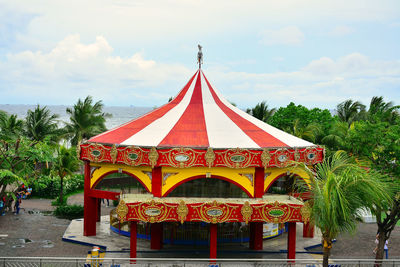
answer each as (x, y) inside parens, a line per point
(198, 163)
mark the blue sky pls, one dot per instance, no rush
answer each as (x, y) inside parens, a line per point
(314, 53)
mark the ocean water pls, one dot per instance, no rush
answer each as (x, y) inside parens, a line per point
(120, 115)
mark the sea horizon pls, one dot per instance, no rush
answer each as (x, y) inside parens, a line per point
(120, 114)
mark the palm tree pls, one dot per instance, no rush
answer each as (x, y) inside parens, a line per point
(382, 111)
(310, 132)
(348, 111)
(338, 133)
(65, 164)
(86, 120)
(261, 111)
(40, 124)
(10, 126)
(339, 189)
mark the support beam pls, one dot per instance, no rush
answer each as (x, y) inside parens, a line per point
(133, 241)
(98, 212)
(259, 182)
(256, 236)
(156, 235)
(89, 214)
(308, 230)
(156, 181)
(213, 241)
(291, 242)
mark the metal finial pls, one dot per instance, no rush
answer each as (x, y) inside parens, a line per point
(200, 56)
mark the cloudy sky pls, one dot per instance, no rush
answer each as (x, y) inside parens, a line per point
(134, 52)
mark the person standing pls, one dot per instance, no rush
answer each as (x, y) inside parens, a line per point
(17, 204)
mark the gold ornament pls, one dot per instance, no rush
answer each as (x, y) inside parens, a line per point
(210, 157)
(122, 211)
(305, 212)
(182, 211)
(153, 157)
(246, 211)
(114, 153)
(296, 155)
(265, 157)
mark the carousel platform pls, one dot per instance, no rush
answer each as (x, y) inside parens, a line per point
(117, 246)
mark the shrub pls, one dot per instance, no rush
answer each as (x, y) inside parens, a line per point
(47, 186)
(56, 202)
(69, 212)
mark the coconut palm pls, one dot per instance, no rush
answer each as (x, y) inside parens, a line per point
(40, 124)
(261, 111)
(379, 110)
(339, 189)
(10, 126)
(309, 132)
(65, 164)
(349, 111)
(86, 120)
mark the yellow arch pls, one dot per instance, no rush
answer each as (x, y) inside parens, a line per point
(273, 173)
(173, 176)
(139, 172)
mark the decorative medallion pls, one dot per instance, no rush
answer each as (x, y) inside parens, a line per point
(96, 152)
(152, 212)
(310, 155)
(182, 211)
(276, 212)
(113, 153)
(122, 211)
(282, 157)
(181, 157)
(215, 212)
(265, 158)
(246, 211)
(153, 157)
(132, 155)
(209, 157)
(237, 158)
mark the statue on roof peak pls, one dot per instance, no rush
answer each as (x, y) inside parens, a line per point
(200, 56)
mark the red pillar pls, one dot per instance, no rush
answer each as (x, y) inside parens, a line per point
(259, 182)
(308, 230)
(213, 241)
(156, 236)
(291, 242)
(89, 214)
(258, 236)
(251, 235)
(98, 212)
(156, 181)
(133, 243)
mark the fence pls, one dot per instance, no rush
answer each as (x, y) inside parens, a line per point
(169, 262)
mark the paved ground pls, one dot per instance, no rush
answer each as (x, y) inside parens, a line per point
(33, 233)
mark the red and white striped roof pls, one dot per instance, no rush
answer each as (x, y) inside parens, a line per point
(199, 117)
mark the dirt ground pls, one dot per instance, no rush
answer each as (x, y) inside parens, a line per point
(35, 233)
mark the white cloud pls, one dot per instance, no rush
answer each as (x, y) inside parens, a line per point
(340, 31)
(73, 69)
(290, 35)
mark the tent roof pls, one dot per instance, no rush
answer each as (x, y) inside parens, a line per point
(199, 117)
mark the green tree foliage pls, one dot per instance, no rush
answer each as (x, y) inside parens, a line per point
(285, 118)
(339, 189)
(18, 161)
(261, 111)
(65, 164)
(40, 124)
(86, 120)
(379, 143)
